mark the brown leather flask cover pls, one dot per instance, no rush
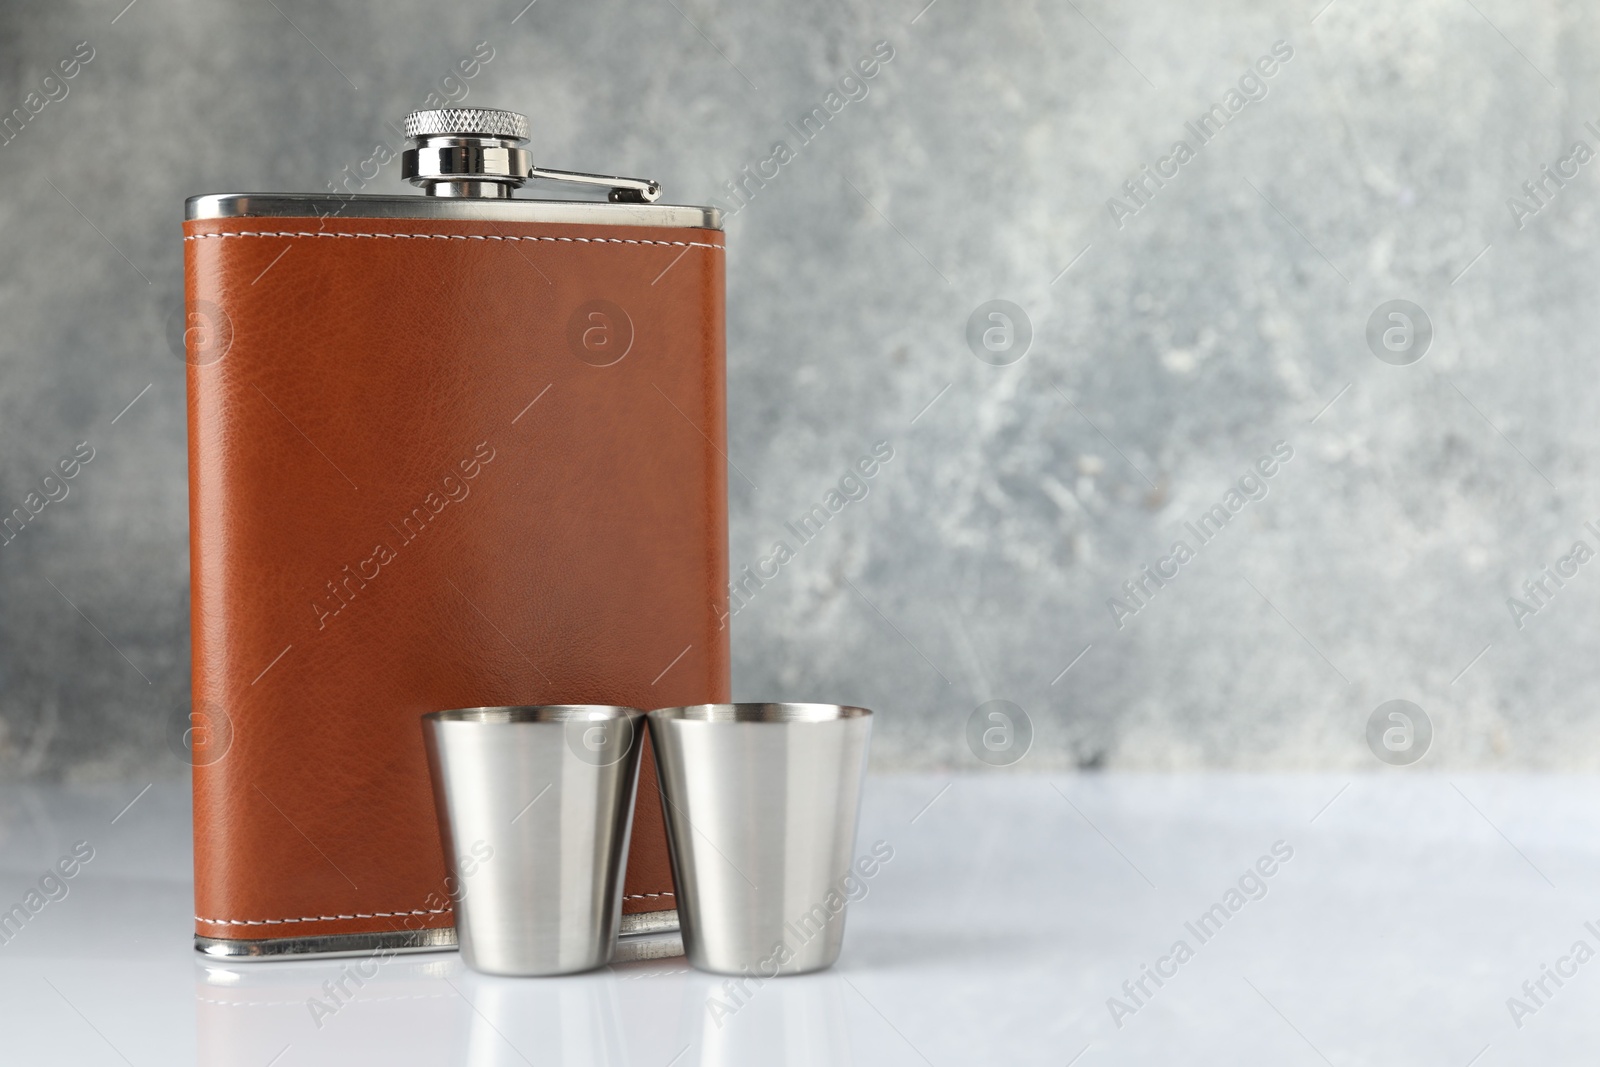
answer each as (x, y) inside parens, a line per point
(434, 464)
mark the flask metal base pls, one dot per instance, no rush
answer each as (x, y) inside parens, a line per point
(649, 935)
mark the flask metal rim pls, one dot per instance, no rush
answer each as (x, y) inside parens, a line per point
(363, 206)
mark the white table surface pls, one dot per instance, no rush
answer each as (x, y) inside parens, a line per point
(1414, 906)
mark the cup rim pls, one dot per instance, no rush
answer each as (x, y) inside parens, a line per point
(534, 713)
(773, 713)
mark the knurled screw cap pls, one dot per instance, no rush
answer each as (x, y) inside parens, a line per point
(467, 122)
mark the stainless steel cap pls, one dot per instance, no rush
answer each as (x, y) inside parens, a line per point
(467, 122)
(473, 152)
(477, 152)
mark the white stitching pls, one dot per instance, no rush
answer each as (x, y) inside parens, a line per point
(457, 237)
(323, 918)
(368, 914)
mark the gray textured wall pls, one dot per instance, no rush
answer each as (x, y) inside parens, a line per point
(1192, 332)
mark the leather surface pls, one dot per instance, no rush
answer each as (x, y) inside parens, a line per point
(409, 493)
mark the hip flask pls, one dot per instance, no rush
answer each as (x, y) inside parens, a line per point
(456, 449)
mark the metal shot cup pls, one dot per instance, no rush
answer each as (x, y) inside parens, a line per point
(761, 803)
(535, 807)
